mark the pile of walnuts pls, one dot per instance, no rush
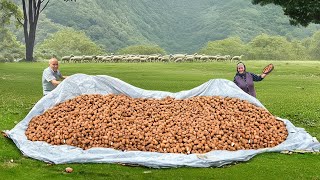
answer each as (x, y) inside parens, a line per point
(195, 125)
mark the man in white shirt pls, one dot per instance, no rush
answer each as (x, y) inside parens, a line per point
(51, 76)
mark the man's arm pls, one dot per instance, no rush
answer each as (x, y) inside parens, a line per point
(55, 82)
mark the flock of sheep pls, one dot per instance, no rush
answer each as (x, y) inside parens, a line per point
(149, 58)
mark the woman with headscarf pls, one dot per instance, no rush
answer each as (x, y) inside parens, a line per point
(244, 79)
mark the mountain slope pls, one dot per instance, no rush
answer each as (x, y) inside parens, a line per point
(179, 26)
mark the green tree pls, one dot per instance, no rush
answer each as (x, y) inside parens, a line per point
(301, 12)
(142, 49)
(67, 42)
(270, 47)
(314, 46)
(298, 50)
(231, 46)
(7, 10)
(10, 48)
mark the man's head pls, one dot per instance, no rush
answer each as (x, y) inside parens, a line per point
(241, 68)
(53, 64)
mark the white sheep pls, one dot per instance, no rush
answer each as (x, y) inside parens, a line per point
(212, 58)
(236, 58)
(153, 58)
(117, 58)
(165, 58)
(88, 58)
(107, 58)
(66, 58)
(99, 58)
(197, 56)
(204, 58)
(180, 59)
(76, 59)
(190, 58)
(224, 58)
(179, 56)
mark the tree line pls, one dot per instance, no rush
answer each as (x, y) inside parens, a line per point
(72, 42)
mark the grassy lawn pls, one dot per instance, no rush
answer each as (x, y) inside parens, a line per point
(290, 92)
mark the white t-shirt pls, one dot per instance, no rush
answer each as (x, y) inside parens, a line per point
(47, 76)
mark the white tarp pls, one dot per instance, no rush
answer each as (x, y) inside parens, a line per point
(78, 84)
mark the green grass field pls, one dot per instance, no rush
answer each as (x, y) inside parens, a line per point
(291, 91)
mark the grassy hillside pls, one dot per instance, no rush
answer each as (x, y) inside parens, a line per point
(179, 26)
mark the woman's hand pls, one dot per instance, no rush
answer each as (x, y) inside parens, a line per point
(263, 75)
(267, 69)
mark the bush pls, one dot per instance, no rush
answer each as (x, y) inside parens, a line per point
(66, 42)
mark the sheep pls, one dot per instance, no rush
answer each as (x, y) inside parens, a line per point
(165, 58)
(189, 58)
(204, 58)
(224, 58)
(236, 58)
(153, 58)
(179, 56)
(180, 59)
(99, 58)
(143, 59)
(211, 58)
(107, 58)
(149, 58)
(88, 58)
(136, 58)
(129, 58)
(66, 58)
(76, 59)
(126, 58)
(117, 58)
(196, 56)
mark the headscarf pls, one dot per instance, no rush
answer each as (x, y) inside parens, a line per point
(244, 66)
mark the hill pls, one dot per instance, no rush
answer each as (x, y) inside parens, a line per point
(179, 26)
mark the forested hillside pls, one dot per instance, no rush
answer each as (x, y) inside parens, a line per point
(179, 26)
